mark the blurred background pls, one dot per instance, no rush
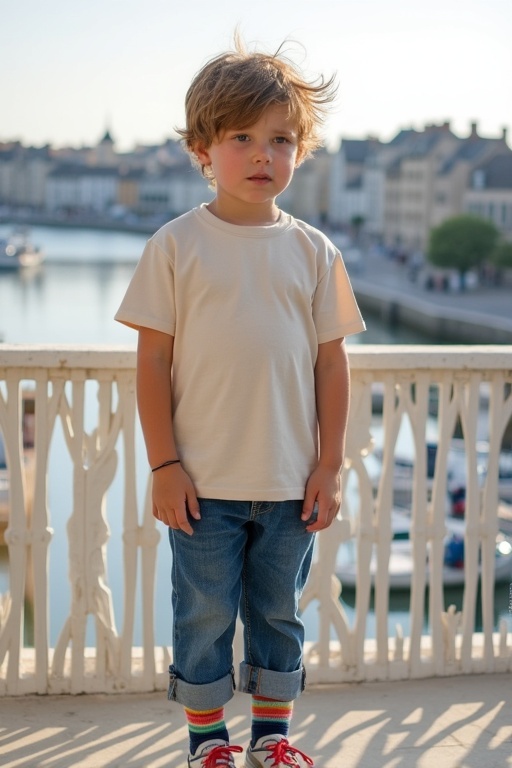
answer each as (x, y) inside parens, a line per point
(89, 162)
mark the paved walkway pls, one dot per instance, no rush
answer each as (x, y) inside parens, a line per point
(488, 306)
(459, 722)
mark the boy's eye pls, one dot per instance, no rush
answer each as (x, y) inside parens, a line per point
(281, 140)
(241, 137)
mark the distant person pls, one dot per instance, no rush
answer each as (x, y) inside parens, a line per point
(249, 307)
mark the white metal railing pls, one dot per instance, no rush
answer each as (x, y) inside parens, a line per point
(420, 389)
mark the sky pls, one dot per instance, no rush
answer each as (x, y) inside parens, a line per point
(71, 68)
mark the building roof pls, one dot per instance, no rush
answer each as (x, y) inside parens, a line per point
(357, 150)
(131, 174)
(497, 171)
(184, 170)
(73, 170)
(25, 153)
(424, 143)
(469, 150)
(107, 138)
(403, 136)
(413, 143)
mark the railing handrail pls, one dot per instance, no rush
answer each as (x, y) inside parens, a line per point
(478, 357)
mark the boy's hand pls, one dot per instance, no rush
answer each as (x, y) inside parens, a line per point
(324, 489)
(174, 498)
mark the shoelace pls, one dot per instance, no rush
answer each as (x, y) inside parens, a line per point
(283, 753)
(220, 756)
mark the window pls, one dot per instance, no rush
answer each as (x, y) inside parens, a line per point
(479, 179)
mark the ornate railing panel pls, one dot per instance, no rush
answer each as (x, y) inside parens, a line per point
(429, 393)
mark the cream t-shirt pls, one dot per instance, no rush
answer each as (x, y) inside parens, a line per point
(247, 306)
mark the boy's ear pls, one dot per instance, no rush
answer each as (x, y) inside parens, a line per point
(201, 153)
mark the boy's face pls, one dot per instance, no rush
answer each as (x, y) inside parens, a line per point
(252, 165)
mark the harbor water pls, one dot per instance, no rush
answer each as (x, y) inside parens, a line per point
(72, 299)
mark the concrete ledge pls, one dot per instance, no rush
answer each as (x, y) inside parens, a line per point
(433, 319)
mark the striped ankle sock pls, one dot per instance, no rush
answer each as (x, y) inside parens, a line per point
(204, 725)
(269, 716)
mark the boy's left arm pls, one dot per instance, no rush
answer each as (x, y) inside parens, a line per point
(332, 388)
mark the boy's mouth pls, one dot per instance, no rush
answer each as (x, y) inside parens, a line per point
(260, 177)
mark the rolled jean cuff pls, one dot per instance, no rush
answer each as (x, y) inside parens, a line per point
(203, 695)
(282, 686)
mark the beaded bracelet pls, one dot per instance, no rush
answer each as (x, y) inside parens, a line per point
(165, 464)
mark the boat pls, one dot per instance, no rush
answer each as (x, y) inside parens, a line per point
(17, 252)
(403, 473)
(505, 517)
(28, 435)
(401, 563)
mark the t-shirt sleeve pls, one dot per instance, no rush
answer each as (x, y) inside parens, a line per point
(149, 301)
(335, 310)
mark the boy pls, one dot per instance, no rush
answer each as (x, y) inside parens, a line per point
(249, 307)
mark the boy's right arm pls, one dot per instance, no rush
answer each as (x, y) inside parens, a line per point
(174, 496)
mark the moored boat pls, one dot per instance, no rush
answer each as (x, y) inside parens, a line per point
(404, 466)
(17, 252)
(401, 560)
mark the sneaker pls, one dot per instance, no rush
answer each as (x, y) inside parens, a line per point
(275, 752)
(213, 754)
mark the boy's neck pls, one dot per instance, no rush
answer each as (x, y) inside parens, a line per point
(245, 215)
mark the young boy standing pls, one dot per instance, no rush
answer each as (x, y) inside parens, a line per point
(243, 390)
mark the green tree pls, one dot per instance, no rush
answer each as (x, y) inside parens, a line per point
(462, 243)
(501, 256)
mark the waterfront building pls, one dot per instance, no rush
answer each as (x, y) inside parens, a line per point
(409, 187)
(490, 192)
(307, 197)
(23, 172)
(81, 188)
(104, 153)
(352, 183)
(172, 190)
(403, 188)
(128, 188)
(396, 191)
(454, 176)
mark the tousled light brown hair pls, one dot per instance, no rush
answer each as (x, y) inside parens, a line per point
(235, 88)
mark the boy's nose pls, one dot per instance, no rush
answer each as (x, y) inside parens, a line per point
(262, 155)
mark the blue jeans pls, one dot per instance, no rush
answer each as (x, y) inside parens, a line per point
(249, 556)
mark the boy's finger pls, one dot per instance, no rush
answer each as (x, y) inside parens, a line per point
(183, 521)
(324, 519)
(308, 507)
(193, 506)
